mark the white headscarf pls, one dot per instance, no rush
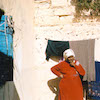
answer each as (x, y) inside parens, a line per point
(67, 53)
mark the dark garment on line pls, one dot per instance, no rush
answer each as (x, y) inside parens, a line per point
(6, 68)
(56, 48)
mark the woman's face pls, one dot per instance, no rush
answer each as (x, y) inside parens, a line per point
(70, 59)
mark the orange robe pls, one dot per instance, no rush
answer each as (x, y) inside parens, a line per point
(70, 86)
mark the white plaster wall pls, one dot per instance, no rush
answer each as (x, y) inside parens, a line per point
(97, 49)
(22, 12)
(36, 22)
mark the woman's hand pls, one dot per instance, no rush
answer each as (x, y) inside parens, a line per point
(72, 64)
(61, 76)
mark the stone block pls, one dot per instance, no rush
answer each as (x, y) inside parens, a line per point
(41, 1)
(47, 20)
(64, 11)
(53, 20)
(43, 12)
(44, 5)
(56, 3)
(66, 19)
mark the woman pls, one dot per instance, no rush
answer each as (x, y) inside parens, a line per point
(70, 86)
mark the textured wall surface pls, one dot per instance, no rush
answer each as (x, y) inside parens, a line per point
(34, 23)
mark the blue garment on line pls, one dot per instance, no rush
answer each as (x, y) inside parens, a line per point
(97, 69)
(6, 51)
(6, 41)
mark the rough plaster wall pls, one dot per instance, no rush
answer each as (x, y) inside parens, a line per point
(22, 13)
(51, 19)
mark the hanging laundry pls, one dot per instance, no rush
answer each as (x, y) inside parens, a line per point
(6, 51)
(56, 48)
(97, 68)
(84, 51)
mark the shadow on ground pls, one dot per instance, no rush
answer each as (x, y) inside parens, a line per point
(54, 86)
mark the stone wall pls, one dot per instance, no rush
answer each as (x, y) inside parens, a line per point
(56, 18)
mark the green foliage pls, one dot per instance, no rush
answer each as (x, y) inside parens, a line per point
(86, 5)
